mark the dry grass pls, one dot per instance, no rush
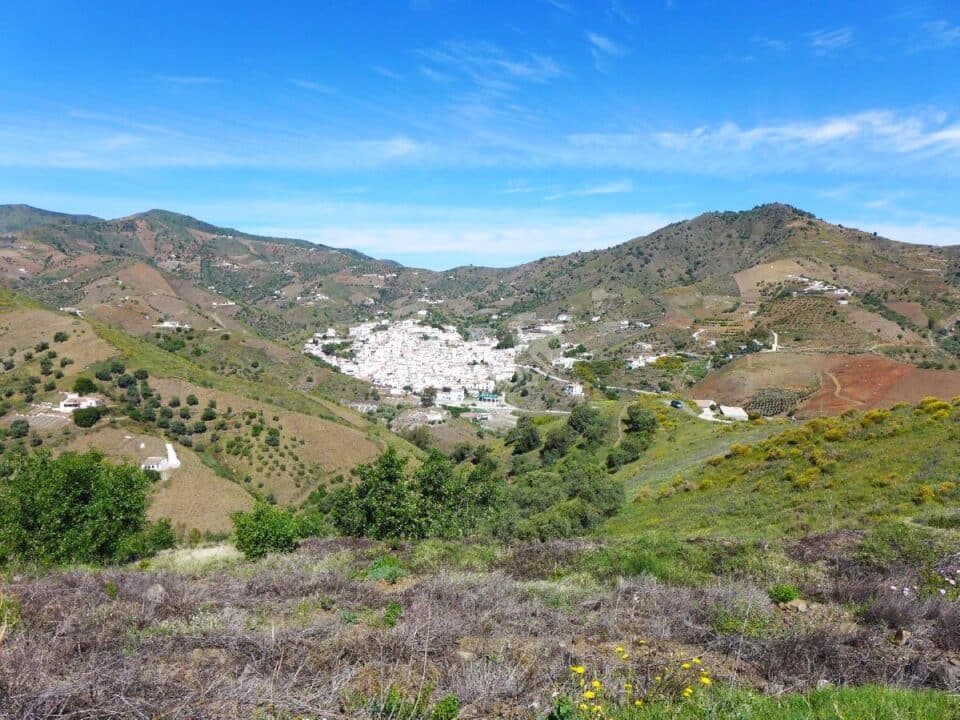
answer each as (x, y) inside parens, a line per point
(310, 634)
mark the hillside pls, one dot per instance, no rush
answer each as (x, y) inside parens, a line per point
(238, 438)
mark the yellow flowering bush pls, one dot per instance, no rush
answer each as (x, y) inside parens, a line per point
(630, 690)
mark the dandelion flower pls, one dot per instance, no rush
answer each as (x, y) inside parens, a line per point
(705, 680)
(598, 708)
(619, 649)
(628, 686)
(596, 684)
(589, 694)
(577, 669)
(696, 661)
(584, 707)
(638, 703)
(658, 678)
(686, 666)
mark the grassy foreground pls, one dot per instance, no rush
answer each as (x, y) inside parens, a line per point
(863, 703)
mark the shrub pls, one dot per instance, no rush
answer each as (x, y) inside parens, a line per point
(387, 568)
(19, 428)
(435, 500)
(86, 417)
(783, 592)
(75, 509)
(60, 336)
(263, 530)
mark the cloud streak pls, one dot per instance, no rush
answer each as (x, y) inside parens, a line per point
(828, 41)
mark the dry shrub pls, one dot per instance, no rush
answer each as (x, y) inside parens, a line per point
(537, 561)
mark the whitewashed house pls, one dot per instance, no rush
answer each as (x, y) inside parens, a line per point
(163, 465)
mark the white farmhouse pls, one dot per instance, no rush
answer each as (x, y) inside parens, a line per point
(73, 401)
(163, 465)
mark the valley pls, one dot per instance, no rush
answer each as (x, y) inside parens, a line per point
(729, 436)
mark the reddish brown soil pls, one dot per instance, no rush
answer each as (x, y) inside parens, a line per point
(862, 382)
(858, 382)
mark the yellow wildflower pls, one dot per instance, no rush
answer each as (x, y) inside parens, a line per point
(688, 691)
(596, 684)
(696, 661)
(686, 666)
(589, 694)
(598, 708)
(658, 678)
(638, 703)
(584, 707)
(628, 686)
(577, 669)
(619, 649)
(705, 680)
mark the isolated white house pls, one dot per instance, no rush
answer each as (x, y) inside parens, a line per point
(73, 401)
(734, 413)
(163, 465)
(172, 325)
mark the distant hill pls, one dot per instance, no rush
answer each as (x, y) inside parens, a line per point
(714, 288)
(21, 217)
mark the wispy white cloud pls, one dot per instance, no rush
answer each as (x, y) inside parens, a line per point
(620, 10)
(490, 129)
(827, 41)
(615, 187)
(488, 66)
(313, 86)
(603, 44)
(602, 48)
(560, 5)
(772, 43)
(386, 72)
(942, 33)
(189, 79)
(848, 142)
(479, 237)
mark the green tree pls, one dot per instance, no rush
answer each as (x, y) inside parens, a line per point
(524, 437)
(84, 385)
(640, 420)
(588, 423)
(86, 417)
(263, 530)
(436, 500)
(19, 428)
(76, 509)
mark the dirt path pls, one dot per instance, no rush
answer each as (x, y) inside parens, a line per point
(838, 388)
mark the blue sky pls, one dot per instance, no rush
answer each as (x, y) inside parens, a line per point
(443, 132)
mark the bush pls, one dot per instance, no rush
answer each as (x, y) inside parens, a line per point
(86, 417)
(263, 530)
(19, 428)
(60, 336)
(783, 592)
(75, 509)
(435, 500)
(387, 568)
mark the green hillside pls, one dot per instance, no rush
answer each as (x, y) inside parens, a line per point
(826, 475)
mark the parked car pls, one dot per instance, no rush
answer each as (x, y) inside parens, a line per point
(676, 404)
